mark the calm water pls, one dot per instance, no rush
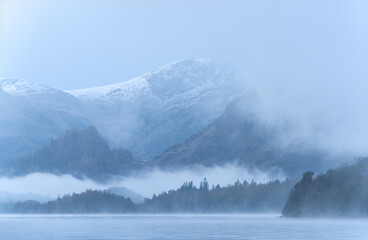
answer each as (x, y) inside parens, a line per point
(187, 227)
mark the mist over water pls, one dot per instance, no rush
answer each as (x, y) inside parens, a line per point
(145, 183)
(46, 184)
(152, 182)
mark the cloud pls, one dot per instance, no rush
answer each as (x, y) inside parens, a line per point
(45, 184)
(329, 108)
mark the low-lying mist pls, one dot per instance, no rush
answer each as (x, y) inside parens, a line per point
(156, 181)
(145, 183)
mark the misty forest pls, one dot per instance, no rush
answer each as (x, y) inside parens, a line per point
(176, 119)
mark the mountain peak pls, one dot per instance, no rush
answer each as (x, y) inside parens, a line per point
(192, 76)
(20, 87)
(183, 62)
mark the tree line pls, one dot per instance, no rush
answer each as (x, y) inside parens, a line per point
(237, 197)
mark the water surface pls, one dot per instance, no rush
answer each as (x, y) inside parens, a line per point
(265, 227)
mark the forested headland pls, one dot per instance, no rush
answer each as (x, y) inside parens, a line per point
(341, 192)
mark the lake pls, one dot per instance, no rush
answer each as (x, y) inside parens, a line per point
(187, 227)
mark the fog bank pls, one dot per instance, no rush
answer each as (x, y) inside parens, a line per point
(145, 183)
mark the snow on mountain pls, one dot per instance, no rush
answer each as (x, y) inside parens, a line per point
(40, 95)
(18, 87)
(187, 78)
(149, 113)
(123, 91)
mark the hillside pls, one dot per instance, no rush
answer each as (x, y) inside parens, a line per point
(238, 136)
(77, 152)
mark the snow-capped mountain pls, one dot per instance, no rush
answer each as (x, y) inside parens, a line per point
(30, 115)
(149, 113)
(146, 114)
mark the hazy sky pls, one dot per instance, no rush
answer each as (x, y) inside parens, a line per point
(70, 44)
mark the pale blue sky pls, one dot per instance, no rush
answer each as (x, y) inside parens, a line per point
(69, 44)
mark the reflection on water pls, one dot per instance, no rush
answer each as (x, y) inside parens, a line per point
(187, 227)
